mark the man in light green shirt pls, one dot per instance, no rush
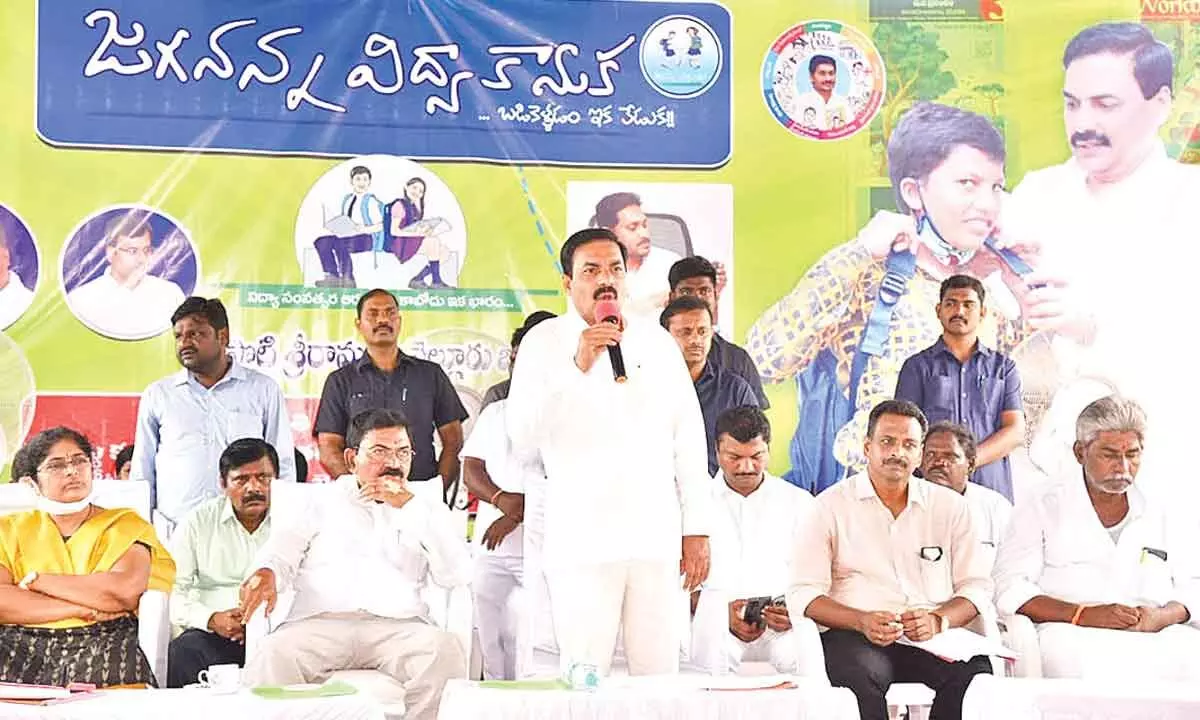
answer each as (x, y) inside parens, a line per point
(214, 548)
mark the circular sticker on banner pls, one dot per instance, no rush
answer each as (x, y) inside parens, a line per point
(126, 269)
(19, 267)
(381, 221)
(681, 56)
(823, 80)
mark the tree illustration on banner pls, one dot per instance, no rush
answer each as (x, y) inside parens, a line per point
(915, 71)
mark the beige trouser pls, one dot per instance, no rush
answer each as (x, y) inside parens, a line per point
(420, 656)
(641, 599)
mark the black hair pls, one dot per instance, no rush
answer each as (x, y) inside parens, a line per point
(962, 282)
(246, 450)
(37, 448)
(1153, 65)
(360, 170)
(691, 267)
(566, 256)
(123, 458)
(610, 207)
(928, 133)
(375, 292)
(818, 60)
(744, 424)
(966, 439)
(374, 419)
(682, 304)
(903, 408)
(211, 309)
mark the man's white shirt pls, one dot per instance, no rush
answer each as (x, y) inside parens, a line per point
(119, 311)
(626, 464)
(647, 287)
(836, 107)
(1057, 546)
(755, 536)
(489, 442)
(14, 300)
(344, 553)
(990, 515)
(1113, 244)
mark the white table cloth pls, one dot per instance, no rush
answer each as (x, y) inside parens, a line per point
(649, 698)
(198, 704)
(995, 698)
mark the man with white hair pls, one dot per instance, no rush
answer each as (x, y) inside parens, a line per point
(1110, 581)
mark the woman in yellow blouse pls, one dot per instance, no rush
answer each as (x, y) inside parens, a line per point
(72, 574)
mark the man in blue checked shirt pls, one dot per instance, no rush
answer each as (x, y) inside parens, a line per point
(187, 419)
(960, 380)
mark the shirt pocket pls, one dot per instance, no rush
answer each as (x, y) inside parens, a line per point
(1154, 580)
(240, 424)
(936, 579)
(359, 402)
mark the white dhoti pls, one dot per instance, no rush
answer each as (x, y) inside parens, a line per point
(781, 650)
(1070, 651)
(498, 613)
(421, 656)
(639, 599)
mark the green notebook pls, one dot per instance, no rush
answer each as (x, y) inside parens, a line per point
(294, 692)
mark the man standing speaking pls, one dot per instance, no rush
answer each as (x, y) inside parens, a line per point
(627, 507)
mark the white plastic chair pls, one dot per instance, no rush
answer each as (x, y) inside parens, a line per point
(154, 625)
(449, 609)
(1020, 634)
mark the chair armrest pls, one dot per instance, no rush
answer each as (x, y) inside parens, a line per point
(162, 526)
(811, 653)
(1020, 634)
(154, 632)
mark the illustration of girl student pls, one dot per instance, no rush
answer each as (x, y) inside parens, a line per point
(694, 46)
(407, 212)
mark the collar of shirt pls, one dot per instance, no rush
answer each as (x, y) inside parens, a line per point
(980, 350)
(365, 361)
(227, 516)
(1077, 491)
(1144, 175)
(864, 490)
(236, 372)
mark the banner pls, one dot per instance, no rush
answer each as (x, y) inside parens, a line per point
(286, 155)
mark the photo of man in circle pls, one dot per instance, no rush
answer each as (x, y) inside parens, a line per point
(368, 224)
(122, 272)
(18, 269)
(832, 110)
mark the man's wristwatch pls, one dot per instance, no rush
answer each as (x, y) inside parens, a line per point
(28, 580)
(943, 622)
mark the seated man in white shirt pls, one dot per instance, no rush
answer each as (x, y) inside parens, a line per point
(214, 548)
(1110, 581)
(127, 301)
(358, 558)
(496, 475)
(758, 518)
(949, 460)
(890, 559)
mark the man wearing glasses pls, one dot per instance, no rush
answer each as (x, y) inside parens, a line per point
(358, 557)
(214, 549)
(126, 301)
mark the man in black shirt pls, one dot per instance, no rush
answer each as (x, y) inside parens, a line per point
(386, 378)
(697, 277)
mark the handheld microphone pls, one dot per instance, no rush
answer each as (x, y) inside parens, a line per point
(609, 311)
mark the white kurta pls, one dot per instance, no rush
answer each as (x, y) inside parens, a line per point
(751, 557)
(1056, 546)
(990, 513)
(647, 287)
(117, 311)
(14, 300)
(1114, 244)
(626, 469)
(498, 572)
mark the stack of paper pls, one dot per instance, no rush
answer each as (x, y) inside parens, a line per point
(961, 644)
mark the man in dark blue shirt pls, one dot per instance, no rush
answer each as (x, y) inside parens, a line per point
(960, 380)
(696, 277)
(689, 320)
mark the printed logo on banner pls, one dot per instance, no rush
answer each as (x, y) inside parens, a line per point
(681, 56)
(381, 221)
(505, 81)
(823, 80)
(125, 269)
(20, 267)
